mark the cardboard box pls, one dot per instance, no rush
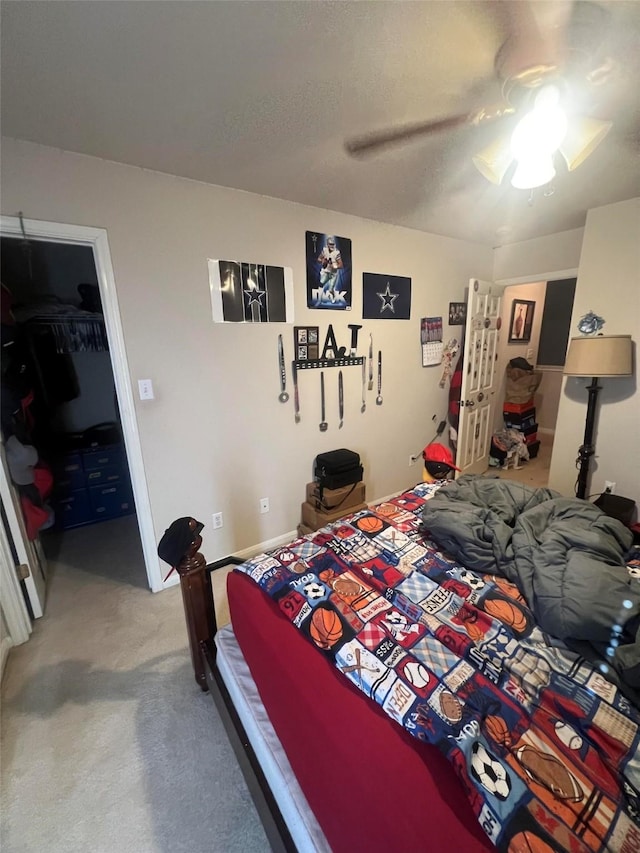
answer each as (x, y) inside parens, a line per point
(342, 498)
(303, 530)
(313, 518)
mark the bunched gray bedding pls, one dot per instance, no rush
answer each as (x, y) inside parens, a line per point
(565, 555)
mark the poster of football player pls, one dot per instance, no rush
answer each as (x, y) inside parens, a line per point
(328, 271)
(243, 292)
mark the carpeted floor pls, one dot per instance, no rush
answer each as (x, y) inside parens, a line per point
(108, 744)
(534, 472)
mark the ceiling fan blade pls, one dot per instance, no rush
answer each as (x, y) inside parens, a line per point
(374, 141)
(536, 36)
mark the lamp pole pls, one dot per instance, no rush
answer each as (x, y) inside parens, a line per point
(587, 450)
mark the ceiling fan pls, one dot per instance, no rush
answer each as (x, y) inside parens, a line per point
(553, 61)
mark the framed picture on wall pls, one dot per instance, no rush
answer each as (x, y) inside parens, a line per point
(521, 321)
(457, 313)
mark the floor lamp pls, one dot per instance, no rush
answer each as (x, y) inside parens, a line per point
(595, 356)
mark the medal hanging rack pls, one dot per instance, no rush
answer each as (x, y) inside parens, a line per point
(307, 352)
(311, 364)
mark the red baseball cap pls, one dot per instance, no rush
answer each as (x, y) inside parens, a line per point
(435, 452)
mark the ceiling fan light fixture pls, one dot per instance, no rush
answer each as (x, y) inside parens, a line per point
(541, 131)
(494, 160)
(584, 134)
(534, 172)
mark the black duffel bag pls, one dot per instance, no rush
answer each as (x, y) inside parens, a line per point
(337, 468)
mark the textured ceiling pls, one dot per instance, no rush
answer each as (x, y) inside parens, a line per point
(261, 96)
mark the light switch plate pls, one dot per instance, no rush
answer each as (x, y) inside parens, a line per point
(145, 389)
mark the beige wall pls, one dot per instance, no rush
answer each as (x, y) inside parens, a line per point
(547, 398)
(609, 284)
(538, 259)
(216, 438)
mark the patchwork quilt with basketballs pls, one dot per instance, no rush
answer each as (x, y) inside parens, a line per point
(548, 751)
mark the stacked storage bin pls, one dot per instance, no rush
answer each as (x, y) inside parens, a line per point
(522, 416)
(92, 484)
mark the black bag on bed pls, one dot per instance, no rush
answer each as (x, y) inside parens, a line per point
(337, 468)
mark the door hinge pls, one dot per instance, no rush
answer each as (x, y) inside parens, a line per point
(22, 571)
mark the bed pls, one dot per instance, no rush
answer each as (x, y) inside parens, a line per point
(383, 696)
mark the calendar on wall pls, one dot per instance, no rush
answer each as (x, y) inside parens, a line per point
(431, 340)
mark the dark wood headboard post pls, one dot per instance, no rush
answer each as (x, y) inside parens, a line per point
(197, 596)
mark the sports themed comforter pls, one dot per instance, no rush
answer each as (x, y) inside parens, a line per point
(565, 555)
(546, 748)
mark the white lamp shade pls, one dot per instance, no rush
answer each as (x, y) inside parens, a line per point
(601, 355)
(584, 134)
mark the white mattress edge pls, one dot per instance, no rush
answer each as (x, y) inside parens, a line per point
(300, 820)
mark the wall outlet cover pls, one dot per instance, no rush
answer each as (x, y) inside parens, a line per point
(145, 389)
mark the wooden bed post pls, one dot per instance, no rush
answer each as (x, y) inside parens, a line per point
(199, 611)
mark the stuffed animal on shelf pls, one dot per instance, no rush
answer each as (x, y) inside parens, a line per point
(439, 463)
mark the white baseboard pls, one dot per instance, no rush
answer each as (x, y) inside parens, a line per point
(266, 546)
(5, 645)
(246, 553)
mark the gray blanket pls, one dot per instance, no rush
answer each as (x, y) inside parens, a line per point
(565, 555)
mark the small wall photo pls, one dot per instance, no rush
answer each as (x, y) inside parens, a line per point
(521, 321)
(457, 313)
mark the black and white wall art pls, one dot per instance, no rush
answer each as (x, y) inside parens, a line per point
(243, 292)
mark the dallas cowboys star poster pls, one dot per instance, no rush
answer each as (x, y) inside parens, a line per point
(243, 292)
(385, 297)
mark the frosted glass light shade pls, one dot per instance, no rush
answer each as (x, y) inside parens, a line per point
(533, 173)
(602, 355)
(583, 136)
(494, 160)
(542, 130)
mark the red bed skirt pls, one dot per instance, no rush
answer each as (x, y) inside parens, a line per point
(369, 783)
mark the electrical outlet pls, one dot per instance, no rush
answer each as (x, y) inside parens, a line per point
(264, 504)
(412, 459)
(609, 486)
(217, 520)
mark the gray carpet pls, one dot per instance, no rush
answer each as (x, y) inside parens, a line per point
(108, 744)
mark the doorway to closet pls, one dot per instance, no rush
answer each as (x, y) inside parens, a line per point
(61, 424)
(537, 347)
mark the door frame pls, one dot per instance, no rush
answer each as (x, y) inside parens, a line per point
(557, 275)
(14, 609)
(97, 239)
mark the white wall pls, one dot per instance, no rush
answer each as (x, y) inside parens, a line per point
(609, 284)
(216, 438)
